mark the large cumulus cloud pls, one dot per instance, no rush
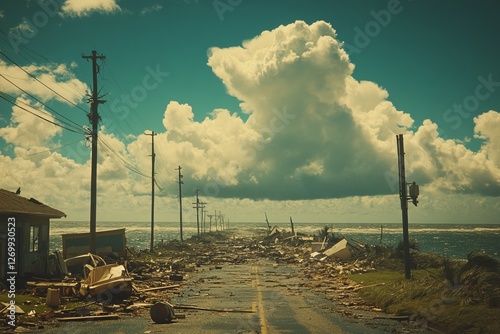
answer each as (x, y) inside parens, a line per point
(323, 133)
(310, 131)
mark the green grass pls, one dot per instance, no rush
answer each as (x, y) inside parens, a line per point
(29, 302)
(428, 300)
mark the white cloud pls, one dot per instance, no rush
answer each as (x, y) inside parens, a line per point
(486, 128)
(316, 140)
(59, 78)
(87, 7)
(296, 83)
(331, 118)
(27, 131)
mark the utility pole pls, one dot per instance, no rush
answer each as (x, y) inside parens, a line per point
(152, 134)
(197, 206)
(180, 200)
(203, 213)
(216, 221)
(221, 217)
(94, 119)
(210, 216)
(403, 195)
(202, 207)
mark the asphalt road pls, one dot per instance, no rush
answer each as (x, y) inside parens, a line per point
(261, 297)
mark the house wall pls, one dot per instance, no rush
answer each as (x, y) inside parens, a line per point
(32, 245)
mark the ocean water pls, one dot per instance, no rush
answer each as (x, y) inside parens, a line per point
(450, 240)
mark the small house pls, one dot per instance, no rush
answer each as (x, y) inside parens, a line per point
(24, 235)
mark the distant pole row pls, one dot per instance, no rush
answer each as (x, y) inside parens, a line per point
(94, 120)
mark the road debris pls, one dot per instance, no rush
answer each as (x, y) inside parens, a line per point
(144, 279)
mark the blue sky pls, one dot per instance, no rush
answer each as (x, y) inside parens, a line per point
(435, 61)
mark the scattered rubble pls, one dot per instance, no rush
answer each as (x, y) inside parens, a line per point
(87, 279)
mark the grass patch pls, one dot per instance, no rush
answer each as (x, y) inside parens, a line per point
(29, 302)
(430, 300)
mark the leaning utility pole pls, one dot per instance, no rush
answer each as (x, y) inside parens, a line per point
(268, 226)
(403, 195)
(180, 200)
(94, 119)
(152, 134)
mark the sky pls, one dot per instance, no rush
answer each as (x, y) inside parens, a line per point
(289, 108)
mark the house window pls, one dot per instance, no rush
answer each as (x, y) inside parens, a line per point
(34, 232)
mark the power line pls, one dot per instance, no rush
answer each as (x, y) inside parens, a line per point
(52, 90)
(33, 97)
(127, 110)
(117, 157)
(34, 114)
(51, 149)
(4, 35)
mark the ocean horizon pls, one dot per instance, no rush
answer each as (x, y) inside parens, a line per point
(449, 240)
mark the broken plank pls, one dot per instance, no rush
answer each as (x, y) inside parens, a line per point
(189, 307)
(91, 317)
(398, 318)
(52, 284)
(166, 287)
(366, 286)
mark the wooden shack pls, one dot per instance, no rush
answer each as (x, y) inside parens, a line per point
(27, 222)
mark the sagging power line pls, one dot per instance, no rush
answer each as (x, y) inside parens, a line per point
(67, 121)
(12, 100)
(42, 83)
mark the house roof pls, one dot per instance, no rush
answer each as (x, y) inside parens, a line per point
(10, 203)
